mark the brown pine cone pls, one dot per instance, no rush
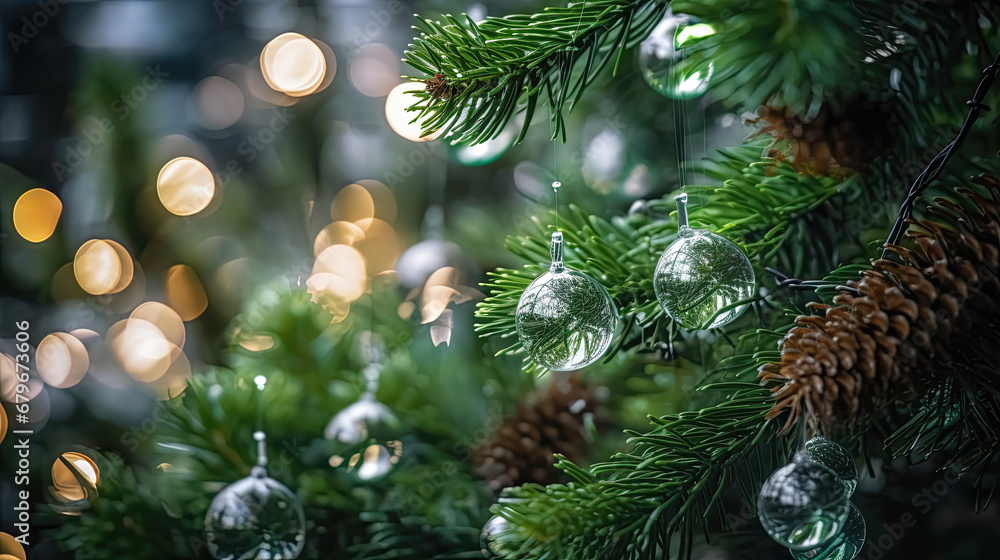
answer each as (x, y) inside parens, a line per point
(834, 143)
(521, 450)
(882, 343)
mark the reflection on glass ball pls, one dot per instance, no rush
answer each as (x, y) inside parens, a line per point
(662, 54)
(489, 539)
(803, 505)
(565, 320)
(698, 275)
(362, 420)
(844, 546)
(254, 518)
(835, 458)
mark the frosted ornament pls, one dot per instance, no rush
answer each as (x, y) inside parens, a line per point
(836, 458)
(803, 505)
(565, 319)
(700, 274)
(255, 518)
(844, 546)
(661, 57)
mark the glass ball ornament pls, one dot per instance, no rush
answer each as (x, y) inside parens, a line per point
(662, 55)
(803, 505)
(836, 458)
(490, 542)
(844, 546)
(700, 274)
(255, 518)
(565, 319)
(364, 439)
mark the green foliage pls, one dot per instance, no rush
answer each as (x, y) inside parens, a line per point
(499, 66)
(797, 54)
(667, 486)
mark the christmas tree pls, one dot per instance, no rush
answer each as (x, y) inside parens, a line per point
(744, 305)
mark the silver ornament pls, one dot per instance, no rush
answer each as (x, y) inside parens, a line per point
(844, 546)
(565, 319)
(490, 542)
(803, 505)
(255, 518)
(836, 458)
(700, 275)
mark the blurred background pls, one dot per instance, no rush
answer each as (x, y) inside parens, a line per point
(189, 186)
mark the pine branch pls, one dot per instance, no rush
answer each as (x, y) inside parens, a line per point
(667, 486)
(479, 75)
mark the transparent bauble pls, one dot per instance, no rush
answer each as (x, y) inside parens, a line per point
(364, 437)
(490, 541)
(255, 518)
(844, 546)
(565, 319)
(836, 458)
(803, 505)
(662, 57)
(700, 274)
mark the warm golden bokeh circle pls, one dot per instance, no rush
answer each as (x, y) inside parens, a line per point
(97, 267)
(293, 65)
(401, 98)
(61, 360)
(36, 214)
(185, 292)
(185, 186)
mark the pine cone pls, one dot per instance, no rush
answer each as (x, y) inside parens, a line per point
(883, 342)
(833, 143)
(521, 450)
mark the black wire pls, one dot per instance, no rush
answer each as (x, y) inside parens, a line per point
(937, 165)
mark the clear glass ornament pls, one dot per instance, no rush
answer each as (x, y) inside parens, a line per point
(844, 546)
(836, 458)
(662, 53)
(803, 505)
(490, 543)
(364, 434)
(701, 273)
(255, 518)
(565, 319)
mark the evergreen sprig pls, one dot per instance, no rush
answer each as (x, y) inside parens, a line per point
(480, 74)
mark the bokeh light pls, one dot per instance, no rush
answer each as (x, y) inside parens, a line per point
(185, 186)
(172, 383)
(97, 267)
(337, 233)
(10, 547)
(185, 292)
(401, 98)
(219, 102)
(62, 360)
(141, 349)
(164, 318)
(340, 269)
(353, 204)
(293, 65)
(9, 381)
(126, 264)
(374, 69)
(383, 197)
(66, 487)
(257, 342)
(3, 423)
(36, 214)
